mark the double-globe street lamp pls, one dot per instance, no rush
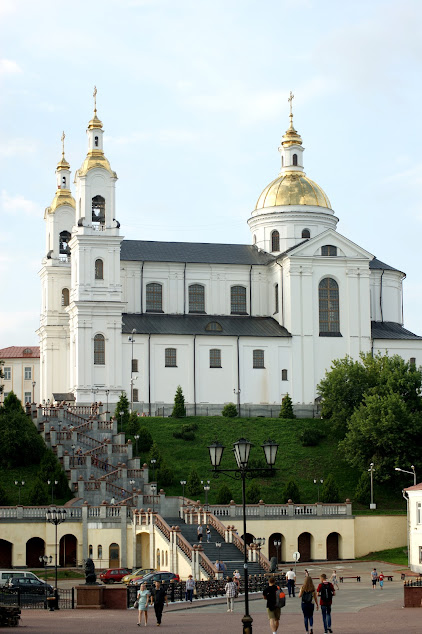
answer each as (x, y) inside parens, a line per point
(44, 560)
(56, 517)
(413, 472)
(206, 485)
(153, 488)
(183, 483)
(317, 483)
(20, 485)
(277, 544)
(53, 484)
(241, 450)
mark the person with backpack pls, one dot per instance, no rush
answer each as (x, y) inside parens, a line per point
(276, 599)
(326, 593)
(309, 599)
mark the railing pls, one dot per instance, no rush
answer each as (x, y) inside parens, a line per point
(281, 510)
(94, 511)
(80, 409)
(35, 512)
(135, 473)
(414, 583)
(215, 523)
(51, 412)
(112, 476)
(207, 565)
(71, 416)
(115, 490)
(105, 424)
(119, 449)
(96, 450)
(163, 526)
(184, 546)
(264, 562)
(151, 499)
(84, 439)
(306, 510)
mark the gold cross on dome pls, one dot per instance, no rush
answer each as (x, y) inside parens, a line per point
(290, 100)
(62, 140)
(94, 94)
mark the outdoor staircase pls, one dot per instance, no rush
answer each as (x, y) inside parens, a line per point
(227, 553)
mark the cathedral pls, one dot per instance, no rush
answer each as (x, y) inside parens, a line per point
(242, 323)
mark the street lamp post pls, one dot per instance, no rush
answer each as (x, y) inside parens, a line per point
(53, 484)
(277, 545)
(44, 559)
(121, 419)
(132, 340)
(73, 447)
(241, 450)
(153, 489)
(20, 485)
(207, 487)
(56, 517)
(318, 482)
(259, 542)
(107, 393)
(237, 392)
(183, 483)
(413, 472)
(372, 506)
(153, 463)
(136, 437)
(33, 391)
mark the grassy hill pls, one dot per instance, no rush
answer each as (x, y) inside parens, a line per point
(294, 461)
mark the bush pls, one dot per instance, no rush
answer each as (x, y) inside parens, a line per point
(184, 435)
(145, 439)
(329, 491)
(21, 443)
(363, 489)
(286, 410)
(193, 484)
(164, 475)
(132, 424)
(39, 493)
(122, 406)
(291, 492)
(253, 493)
(4, 499)
(229, 410)
(310, 436)
(179, 410)
(224, 495)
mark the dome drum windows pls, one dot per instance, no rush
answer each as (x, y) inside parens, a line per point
(294, 159)
(64, 240)
(196, 298)
(154, 298)
(238, 300)
(306, 233)
(275, 241)
(65, 297)
(99, 350)
(98, 210)
(329, 310)
(215, 358)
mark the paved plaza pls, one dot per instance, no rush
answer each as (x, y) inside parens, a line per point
(356, 608)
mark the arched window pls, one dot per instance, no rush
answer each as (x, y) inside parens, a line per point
(215, 358)
(64, 181)
(329, 249)
(329, 313)
(154, 298)
(284, 375)
(306, 233)
(98, 210)
(64, 239)
(65, 297)
(294, 159)
(99, 350)
(276, 299)
(214, 326)
(196, 298)
(90, 551)
(170, 358)
(238, 300)
(282, 161)
(96, 141)
(100, 552)
(99, 269)
(258, 359)
(275, 241)
(254, 239)
(134, 365)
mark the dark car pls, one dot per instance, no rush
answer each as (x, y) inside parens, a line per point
(163, 576)
(31, 590)
(114, 575)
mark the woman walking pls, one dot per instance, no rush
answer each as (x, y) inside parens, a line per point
(142, 598)
(231, 591)
(309, 599)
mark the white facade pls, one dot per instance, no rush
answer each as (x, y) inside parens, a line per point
(414, 522)
(300, 296)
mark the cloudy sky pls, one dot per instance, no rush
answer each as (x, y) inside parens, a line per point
(193, 97)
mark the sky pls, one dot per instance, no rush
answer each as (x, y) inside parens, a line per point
(193, 98)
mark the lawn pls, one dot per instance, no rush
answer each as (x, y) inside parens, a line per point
(391, 556)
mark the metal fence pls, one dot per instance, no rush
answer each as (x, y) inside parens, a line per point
(414, 583)
(25, 600)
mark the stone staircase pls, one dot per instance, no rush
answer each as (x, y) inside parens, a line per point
(228, 553)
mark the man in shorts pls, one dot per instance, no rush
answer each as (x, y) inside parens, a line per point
(273, 611)
(374, 578)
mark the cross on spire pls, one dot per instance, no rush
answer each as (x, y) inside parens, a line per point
(62, 140)
(290, 100)
(94, 94)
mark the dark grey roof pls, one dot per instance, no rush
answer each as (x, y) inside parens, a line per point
(63, 396)
(198, 252)
(390, 330)
(195, 325)
(377, 264)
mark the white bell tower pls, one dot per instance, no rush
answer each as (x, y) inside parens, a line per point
(56, 286)
(95, 303)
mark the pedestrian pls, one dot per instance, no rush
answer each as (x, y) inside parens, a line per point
(309, 600)
(326, 593)
(159, 596)
(143, 598)
(270, 593)
(223, 566)
(381, 580)
(217, 565)
(291, 581)
(306, 573)
(199, 531)
(208, 532)
(333, 579)
(112, 501)
(236, 578)
(374, 577)
(231, 591)
(190, 587)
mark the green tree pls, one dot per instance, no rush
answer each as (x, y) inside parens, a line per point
(145, 441)
(291, 492)
(224, 495)
(21, 443)
(4, 498)
(51, 469)
(39, 493)
(164, 475)
(363, 489)
(155, 454)
(229, 410)
(345, 385)
(1, 377)
(286, 410)
(179, 410)
(329, 490)
(253, 493)
(132, 424)
(193, 484)
(122, 406)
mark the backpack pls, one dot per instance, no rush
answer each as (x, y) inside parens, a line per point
(280, 598)
(326, 593)
(307, 597)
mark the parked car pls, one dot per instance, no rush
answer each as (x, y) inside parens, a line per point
(5, 575)
(141, 572)
(163, 576)
(31, 590)
(113, 575)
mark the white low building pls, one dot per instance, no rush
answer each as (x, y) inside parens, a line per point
(227, 322)
(414, 520)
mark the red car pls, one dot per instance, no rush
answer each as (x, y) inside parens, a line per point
(114, 575)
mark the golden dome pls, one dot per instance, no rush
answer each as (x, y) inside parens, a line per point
(291, 137)
(293, 188)
(63, 164)
(95, 122)
(62, 197)
(95, 158)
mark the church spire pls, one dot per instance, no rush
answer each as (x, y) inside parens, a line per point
(63, 195)
(95, 155)
(291, 148)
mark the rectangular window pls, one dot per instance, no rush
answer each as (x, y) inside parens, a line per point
(329, 249)
(134, 365)
(284, 375)
(7, 374)
(28, 374)
(170, 358)
(238, 300)
(196, 298)
(276, 299)
(154, 298)
(28, 397)
(420, 554)
(412, 361)
(419, 512)
(135, 395)
(258, 359)
(215, 358)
